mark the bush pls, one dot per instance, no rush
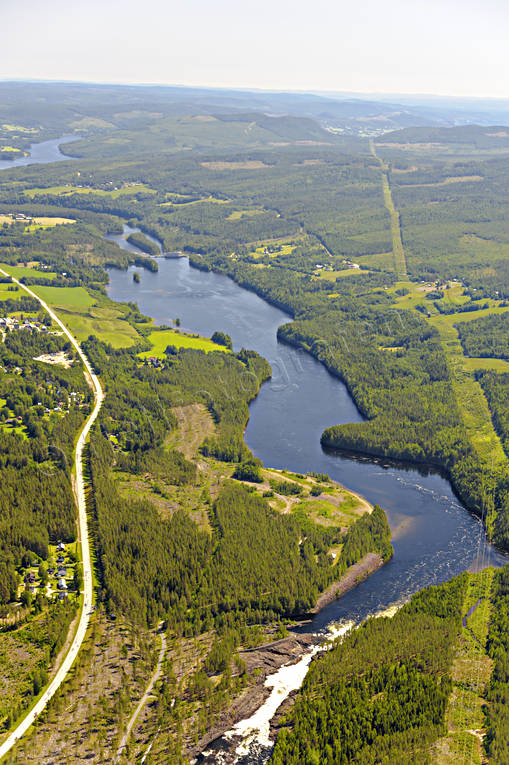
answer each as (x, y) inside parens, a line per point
(249, 470)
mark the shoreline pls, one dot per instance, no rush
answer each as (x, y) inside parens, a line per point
(271, 657)
(353, 576)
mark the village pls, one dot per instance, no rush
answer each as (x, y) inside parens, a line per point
(54, 579)
(14, 324)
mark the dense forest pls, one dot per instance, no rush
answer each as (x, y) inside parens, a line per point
(256, 566)
(487, 337)
(497, 741)
(379, 695)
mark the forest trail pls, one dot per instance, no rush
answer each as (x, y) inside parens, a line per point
(400, 266)
(79, 490)
(153, 680)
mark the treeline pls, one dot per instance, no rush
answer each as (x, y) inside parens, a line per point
(259, 565)
(138, 239)
(487, 337)
(497, 733)
(379, 696)
(496, 388)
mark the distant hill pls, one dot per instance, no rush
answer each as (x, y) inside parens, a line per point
(494, 136)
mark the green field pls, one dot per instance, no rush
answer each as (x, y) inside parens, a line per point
(161, 339)
(68, 297)
(19, 272)
(115, 332)
(7, 294)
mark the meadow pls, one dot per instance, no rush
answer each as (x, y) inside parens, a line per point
(161, 339)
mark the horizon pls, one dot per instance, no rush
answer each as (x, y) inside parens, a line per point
(433, 47)
(343, 94)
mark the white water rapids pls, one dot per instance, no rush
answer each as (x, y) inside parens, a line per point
(254, 732)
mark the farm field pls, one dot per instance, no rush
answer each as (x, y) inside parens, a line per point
(19, 272)
(65, 297)
(469, 394)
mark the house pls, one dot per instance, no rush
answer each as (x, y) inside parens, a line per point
(62, 595)
(60, 559)
(62, 584)
(62, 571)
(60, 546)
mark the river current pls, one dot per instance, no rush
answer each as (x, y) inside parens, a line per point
(434, 536)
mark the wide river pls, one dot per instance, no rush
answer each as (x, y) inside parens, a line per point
(434, 536)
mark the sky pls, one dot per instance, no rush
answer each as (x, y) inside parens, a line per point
(445, 47)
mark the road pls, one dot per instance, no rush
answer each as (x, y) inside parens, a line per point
(79, 490)
(144, 698)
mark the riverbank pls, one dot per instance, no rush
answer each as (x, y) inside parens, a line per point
(266, 660)
(350, 579)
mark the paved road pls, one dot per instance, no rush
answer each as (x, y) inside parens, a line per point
(79, 490)
(144, 698)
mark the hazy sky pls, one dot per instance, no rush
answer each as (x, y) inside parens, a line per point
(454, 47)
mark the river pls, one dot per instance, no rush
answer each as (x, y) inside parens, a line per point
(434, 536)
(41, 153)
(121, 240)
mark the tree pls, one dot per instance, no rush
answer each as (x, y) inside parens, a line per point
(221, 338)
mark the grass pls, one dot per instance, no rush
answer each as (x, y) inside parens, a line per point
(161, 339)
(80, 312)
(183, 203)
(238, 214)
(333, 275)
(284, 249)
(67, 297)
(100, 322)
(17, 128)
(66, 190)
(9, 294)
(36, 223)
(19, 272)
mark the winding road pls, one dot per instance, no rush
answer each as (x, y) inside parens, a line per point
(79, 491)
